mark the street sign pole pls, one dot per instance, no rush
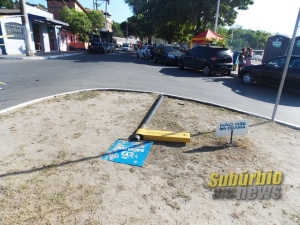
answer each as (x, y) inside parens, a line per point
(287, 62)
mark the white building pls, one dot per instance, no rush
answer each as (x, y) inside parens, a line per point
(43, 30)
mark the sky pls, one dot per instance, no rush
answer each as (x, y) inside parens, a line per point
(273, 16)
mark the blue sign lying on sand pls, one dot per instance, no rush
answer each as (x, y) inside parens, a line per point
(132, 153)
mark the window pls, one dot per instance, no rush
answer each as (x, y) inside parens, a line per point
(14, 29)
(277, 63)
(194, 51)
(295, 64)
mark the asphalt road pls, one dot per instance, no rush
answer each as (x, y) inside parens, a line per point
(31, 79)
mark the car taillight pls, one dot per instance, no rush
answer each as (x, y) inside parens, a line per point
(214, 58)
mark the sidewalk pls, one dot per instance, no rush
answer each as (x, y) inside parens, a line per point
(41, 55)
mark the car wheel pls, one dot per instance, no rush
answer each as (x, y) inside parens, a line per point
(207, 70)
(181, 65)
(137, 55)
(247, 78)
(155, 59)
(165, 61)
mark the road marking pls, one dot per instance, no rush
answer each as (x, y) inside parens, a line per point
(2, 83)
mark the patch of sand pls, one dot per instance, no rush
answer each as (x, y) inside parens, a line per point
(51, 171)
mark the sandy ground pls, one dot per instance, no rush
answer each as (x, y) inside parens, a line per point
(52, 172)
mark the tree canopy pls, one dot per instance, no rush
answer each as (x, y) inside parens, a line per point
(177, 19)
(8, 4)
(117, 29)
(81, 23)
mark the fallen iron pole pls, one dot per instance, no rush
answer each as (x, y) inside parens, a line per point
(138, 137)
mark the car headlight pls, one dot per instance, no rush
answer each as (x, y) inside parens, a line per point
(171, 56)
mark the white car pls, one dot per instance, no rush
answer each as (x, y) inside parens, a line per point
(125, 47)
(141, 52)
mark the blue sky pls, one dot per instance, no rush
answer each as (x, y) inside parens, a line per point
(268, 15)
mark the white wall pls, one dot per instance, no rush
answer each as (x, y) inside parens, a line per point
(12, 46)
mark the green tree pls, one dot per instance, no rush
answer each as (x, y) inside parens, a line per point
(8, 4)
(117, 30)
(173, 19)
(42, 6)
(97, 19)
(81, 23)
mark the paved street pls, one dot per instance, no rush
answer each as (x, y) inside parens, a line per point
(31, 79)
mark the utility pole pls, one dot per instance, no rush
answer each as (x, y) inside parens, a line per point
(26, 29)
(217, 15)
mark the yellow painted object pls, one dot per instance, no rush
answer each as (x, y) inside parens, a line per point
(161, 135)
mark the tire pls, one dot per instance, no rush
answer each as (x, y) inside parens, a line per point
(181, 65)
(247, 78)
(165, 62)
(207, 70)
(155, 59)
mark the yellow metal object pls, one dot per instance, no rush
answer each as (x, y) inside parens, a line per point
(161, 135)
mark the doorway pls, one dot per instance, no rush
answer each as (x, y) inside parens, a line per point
(51, 38)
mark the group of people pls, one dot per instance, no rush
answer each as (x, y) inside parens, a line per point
(245, 57)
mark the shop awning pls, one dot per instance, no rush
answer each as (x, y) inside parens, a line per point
(46, 20)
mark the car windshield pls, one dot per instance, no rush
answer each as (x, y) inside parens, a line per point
(172, 49)
(125, 45)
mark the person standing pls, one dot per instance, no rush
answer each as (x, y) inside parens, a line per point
(249, 55)
(241, 60)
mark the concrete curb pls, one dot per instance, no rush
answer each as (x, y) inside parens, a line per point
(293, 126)
(40, 57)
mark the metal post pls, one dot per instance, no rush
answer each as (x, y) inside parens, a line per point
(26, 29)
(217, 15)
(126, 31)
(287, 62)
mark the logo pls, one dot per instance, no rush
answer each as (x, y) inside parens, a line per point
(244, 186)
(277, 44)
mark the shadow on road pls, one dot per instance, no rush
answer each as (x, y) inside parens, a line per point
(257, 91)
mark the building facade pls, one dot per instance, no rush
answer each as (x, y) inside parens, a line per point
(43, 31)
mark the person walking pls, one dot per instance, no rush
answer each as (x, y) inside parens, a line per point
(241, 60)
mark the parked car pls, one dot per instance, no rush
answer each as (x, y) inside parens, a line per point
(210, 59)
(271, 72)
(109, 47)
(96, 47)
(145, 49)
(125, 47)
(168, 54)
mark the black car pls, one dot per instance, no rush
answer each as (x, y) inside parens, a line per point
(271, 72)
(168, 54)
(96, 47)
(210, 59)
